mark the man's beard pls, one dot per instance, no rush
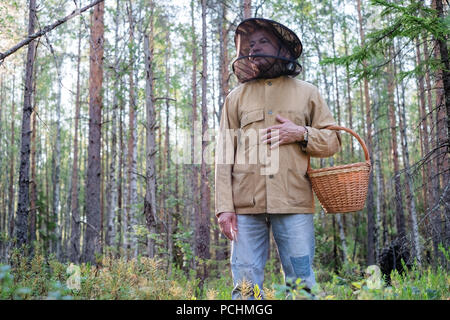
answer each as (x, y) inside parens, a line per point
(261, 64)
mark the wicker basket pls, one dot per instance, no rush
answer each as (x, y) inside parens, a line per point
(342, 189)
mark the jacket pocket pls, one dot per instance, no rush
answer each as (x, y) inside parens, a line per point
(299, 189)
(252, 116)
(296, 116)
(243, 189)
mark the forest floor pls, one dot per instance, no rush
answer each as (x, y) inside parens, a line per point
(144, 278)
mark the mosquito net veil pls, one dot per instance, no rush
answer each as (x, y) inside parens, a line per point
(265, 49)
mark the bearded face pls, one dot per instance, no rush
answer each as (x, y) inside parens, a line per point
(262, 43)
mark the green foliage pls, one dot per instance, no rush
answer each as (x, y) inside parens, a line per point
(416, 283)
(33, 279)
(6, 282)
(145, 278)
(292, 291)
(402, 21)
(141, 278)
(44, 277)
(183, 240)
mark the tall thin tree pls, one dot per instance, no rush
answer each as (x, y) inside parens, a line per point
(92, 235)
(370, 196)
(203, 222)
(112, 196)
(75, 231)
(21, 225)
(132, 146)
(398, 198)
(11, 193)
(150, 159)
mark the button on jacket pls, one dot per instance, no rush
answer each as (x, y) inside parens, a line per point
(249, 177)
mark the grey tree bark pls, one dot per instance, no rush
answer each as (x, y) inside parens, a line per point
(75, 230)
(409, 181)
(398, 198)
(132, 149)
(11, 193)
(195, 209)
(56, 161)
(168, 206)
(150, 176)
(112, 195)
(338, 112)
(203, 222)
(21, 224)
(370, 194)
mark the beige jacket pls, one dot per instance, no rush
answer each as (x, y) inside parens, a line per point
(249, 177)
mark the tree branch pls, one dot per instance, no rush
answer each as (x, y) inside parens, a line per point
(46, 29)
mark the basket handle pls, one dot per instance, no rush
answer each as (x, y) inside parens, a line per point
(353, 133)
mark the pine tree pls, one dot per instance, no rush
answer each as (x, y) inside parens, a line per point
(92, 235)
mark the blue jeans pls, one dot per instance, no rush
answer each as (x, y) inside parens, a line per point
(294, 237)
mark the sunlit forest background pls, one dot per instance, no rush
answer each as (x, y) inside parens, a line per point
(107, 136)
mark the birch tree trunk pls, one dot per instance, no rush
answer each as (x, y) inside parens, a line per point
(132, 149)
(112, 196)
(379, 176)
(327, 95)
(433, 128)
(441, 124)
(338, 111)
(370, 198)
(428, 187)
(399, 213)
(408, 175)
(75, 231)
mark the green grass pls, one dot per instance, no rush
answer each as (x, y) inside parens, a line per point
(144, 278)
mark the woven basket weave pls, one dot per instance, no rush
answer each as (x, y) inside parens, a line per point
(342, 189)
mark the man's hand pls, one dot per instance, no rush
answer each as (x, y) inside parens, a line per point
(228, 224)
(287, 132)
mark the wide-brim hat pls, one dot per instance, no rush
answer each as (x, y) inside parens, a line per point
(283, 33)
(283, 63)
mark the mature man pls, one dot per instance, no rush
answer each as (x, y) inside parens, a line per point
(288, 117)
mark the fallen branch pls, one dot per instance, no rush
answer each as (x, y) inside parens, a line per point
(46, 29)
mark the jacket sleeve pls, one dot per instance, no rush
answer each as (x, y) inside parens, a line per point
(322, 143)
(224, 157)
